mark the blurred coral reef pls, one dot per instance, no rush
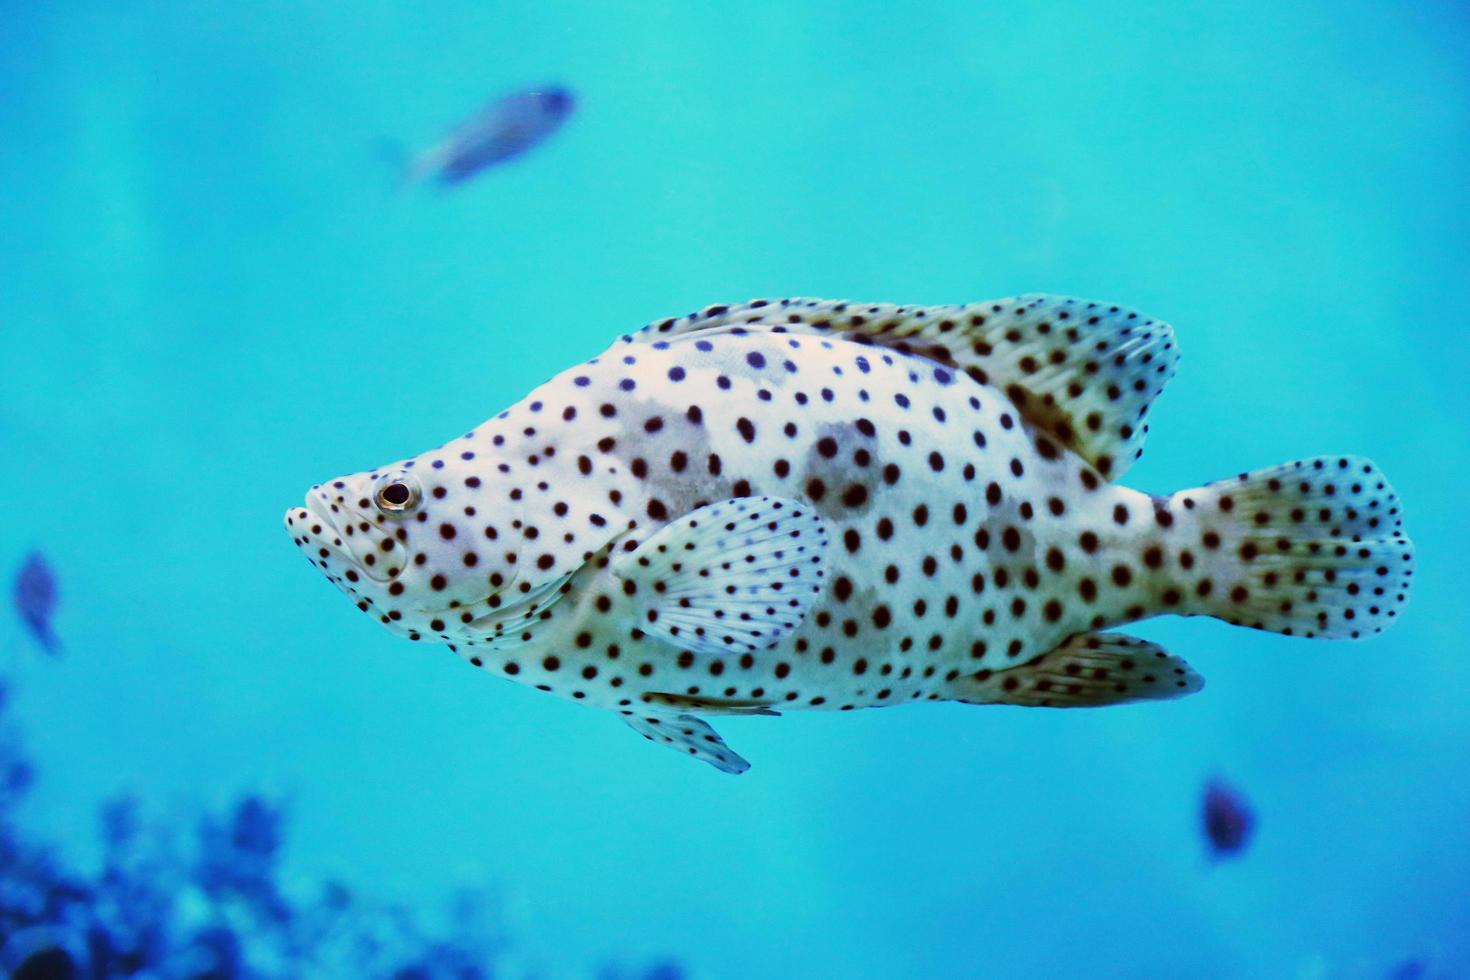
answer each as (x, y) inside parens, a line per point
(213, 902)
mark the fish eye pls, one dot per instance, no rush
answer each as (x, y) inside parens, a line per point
(397, 493)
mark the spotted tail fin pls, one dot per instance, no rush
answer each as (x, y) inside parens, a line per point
(1310, 548)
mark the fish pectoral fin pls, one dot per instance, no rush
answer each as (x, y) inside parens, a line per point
(1084, 371)
(722, 706)
(687, 734)
(1088, 670)
(735, 576)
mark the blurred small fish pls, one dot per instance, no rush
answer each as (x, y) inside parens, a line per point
(1228, 819)
(504, 129)
(35, 600)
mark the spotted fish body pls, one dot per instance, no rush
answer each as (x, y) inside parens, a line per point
(805, 504)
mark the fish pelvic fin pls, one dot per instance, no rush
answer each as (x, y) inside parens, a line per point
(686, 734)
(1312, 548)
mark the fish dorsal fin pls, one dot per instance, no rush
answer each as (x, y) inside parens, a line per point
(1084, 371)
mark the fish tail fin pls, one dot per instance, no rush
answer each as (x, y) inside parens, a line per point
(1312, 548)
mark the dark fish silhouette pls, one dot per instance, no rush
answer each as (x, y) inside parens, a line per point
(1228, 819)
(504, 129)
(35, 600)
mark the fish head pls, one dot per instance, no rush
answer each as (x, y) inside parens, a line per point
(424, 545)
(555, 101)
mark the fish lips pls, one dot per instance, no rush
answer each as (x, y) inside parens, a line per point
(362, 543)
(318, 538)
(316, 531)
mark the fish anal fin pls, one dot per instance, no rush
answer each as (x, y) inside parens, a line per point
(1082, 371)
(687, 734)
(1088, 670)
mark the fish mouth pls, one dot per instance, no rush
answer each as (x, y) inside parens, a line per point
(316, 531)
(309, 527)
(319, 511)
(317, 535)
(316, 511)
(352, 536)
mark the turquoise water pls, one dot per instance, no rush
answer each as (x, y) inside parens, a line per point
(211, 298)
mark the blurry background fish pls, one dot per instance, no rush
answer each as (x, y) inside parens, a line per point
(1229, 820)
(501, 131)
(164, 900)
(35, 600)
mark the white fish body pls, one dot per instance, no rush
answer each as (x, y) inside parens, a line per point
(805, 504)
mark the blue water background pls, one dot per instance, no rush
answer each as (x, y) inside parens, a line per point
(210, 298)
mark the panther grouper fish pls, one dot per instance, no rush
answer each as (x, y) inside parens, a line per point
(808, 504)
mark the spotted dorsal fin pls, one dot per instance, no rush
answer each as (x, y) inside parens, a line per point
(1084, 371)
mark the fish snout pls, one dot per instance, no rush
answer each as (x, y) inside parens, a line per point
(358, 539)
(313, 528)
(557, 100)
(316, 538)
